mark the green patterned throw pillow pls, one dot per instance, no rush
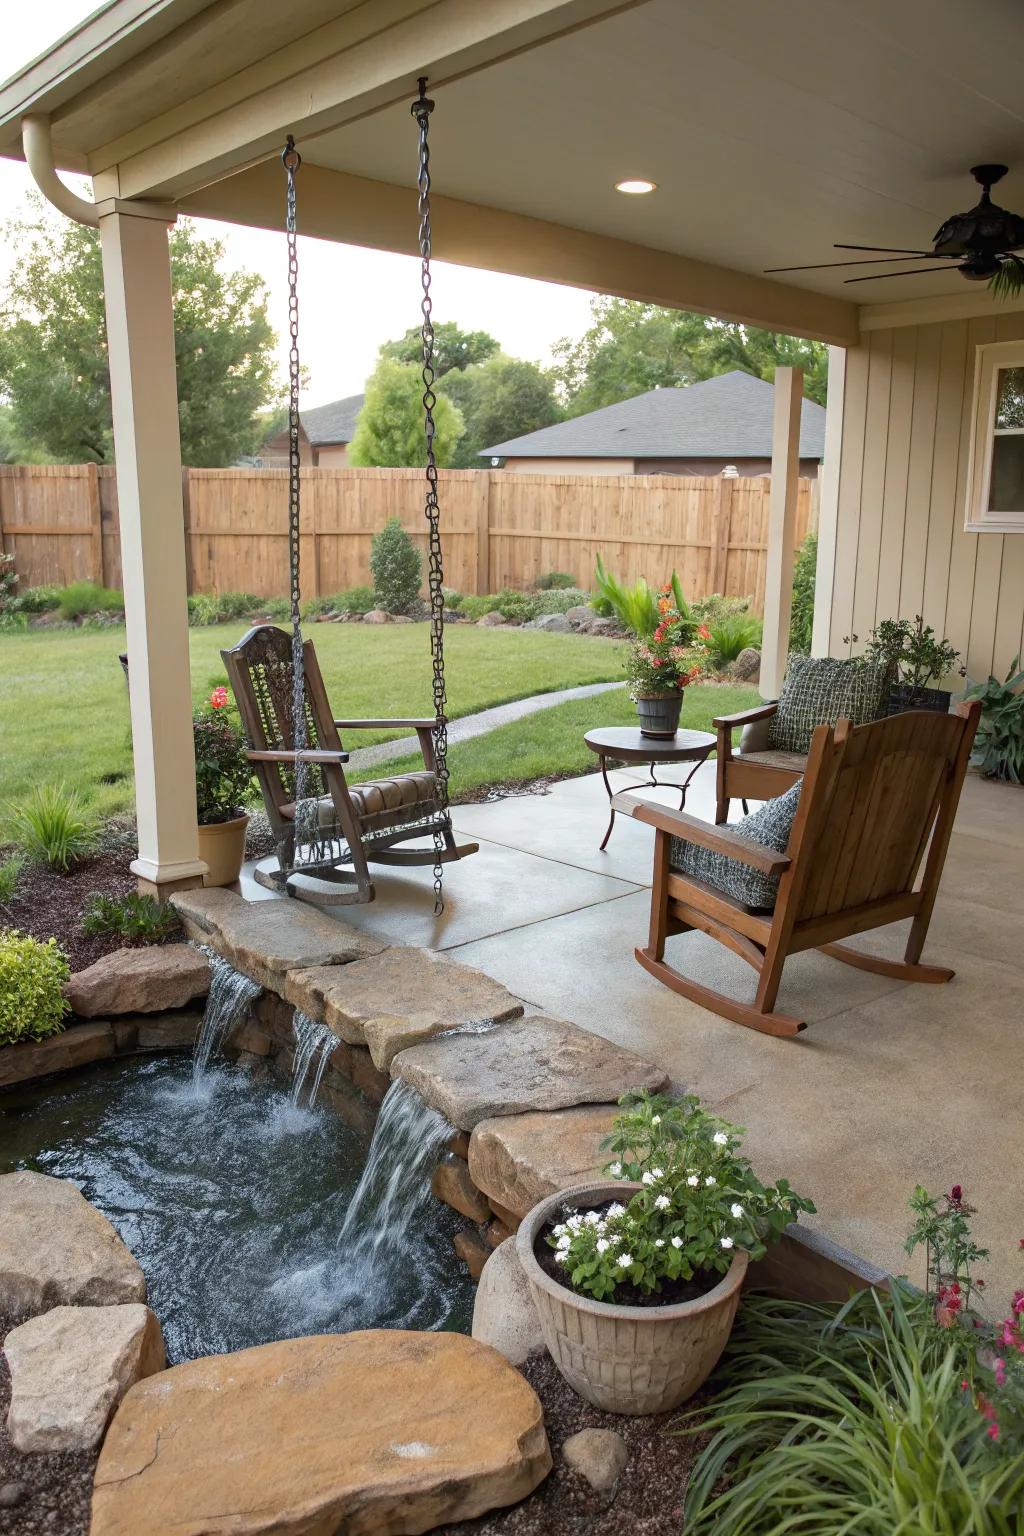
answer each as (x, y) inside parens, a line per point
(821, 690)
(770, 826)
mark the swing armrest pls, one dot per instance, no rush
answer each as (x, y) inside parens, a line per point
(385, 725)
(309, 755)
(691, 829)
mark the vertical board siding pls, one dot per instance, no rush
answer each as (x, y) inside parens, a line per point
(901, 548)
(500, 529)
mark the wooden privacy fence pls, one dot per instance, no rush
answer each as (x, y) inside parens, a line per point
(500, 528)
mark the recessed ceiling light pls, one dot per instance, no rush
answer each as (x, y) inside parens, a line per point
(635, 186)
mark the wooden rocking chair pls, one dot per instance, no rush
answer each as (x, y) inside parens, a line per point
(370, 818)
(872, 797)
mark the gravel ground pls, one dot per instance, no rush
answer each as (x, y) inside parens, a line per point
(40, 1495)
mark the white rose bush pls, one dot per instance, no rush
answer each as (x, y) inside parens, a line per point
(698, 1205)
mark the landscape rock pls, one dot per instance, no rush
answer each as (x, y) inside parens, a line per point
(610, 628)
(71, 1367)
(147, 980)
(747, 666)
(522, 1065)
(267, 939)
(75, 1046)
(598, 1455)
(472, 1250)
(11, 1494)
(168, 1032)
(504, 1315)
(453, 1186)
(377, 616)
(518, 1160)
(554, 623)
(398, 998)
(580, 615)
(381, 1431)
(56, 1249)
(491, 620)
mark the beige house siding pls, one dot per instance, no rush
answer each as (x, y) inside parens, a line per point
(570, 466)
(331, 456)
(900, 545)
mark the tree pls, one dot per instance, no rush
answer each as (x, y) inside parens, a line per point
(53, 346)
(501, 398)
(389, 430)
(453, 348)
(631, 347)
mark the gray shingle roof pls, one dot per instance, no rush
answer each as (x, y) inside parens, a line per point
(334, 423)
(726, 417)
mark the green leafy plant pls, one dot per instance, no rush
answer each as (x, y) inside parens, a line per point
(669, 658)
(474, 607)
(84, 598)
(133, 918)
(223, 770)
(555, 581)
(635, 607)
(516, 607)
(801, 617)
(349, 600)
(10, 869)
(51, 826)
(33, 975)
(453, 600)
(396, 568)
(999, 744)
(700, 1203)
(706, 610)
(911, 652)
(44, 599)
(728, 636)
(560, 600)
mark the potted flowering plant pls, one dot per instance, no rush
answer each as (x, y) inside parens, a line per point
(637, 1280)
(223, 778)
(659, 665)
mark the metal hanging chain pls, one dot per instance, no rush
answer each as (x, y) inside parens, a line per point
(421, 110)
(291, 160)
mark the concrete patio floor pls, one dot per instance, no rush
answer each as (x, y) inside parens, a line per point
(891, 1085)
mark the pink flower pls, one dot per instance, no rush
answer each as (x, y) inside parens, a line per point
(993, 1431)
(219, 698)
(956, 1194)
(1000, 1373)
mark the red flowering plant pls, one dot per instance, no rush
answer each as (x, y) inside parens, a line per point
(674, 654)
(993, 1354)
(223, 771)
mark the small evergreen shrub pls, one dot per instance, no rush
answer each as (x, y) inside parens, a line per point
(396, 568)
(474, 608)
(559, 600)
(83, 598)
(134, 918)
(32, 980)
(801, 618)
(516, 607)
(52, 827)
(555, 581)
(453, 600)
(43, 599)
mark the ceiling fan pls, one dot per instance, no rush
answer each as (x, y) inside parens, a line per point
(981, 243)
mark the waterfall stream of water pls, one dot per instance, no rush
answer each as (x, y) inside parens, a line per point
(230, 998)
(315, 1044)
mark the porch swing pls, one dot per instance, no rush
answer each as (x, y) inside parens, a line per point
(324, 828)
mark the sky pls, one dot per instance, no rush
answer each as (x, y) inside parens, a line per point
(351, 300)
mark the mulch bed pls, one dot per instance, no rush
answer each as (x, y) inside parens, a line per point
(43, 1494)
(48, 904)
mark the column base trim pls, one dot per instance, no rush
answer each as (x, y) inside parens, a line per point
(161, 880)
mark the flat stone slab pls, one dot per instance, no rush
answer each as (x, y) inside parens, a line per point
(147, 980)
(71, 1367)
(504, 1314)
(523, 1065)
(75, 1046)
(398, 998)
(56, 1249)
(519, 1159)
(267, 939)
(380, 1431)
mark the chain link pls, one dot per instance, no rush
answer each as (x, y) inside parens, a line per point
(421, 110)
(291, 160)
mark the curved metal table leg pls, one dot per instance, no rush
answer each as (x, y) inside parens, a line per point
(611, 819)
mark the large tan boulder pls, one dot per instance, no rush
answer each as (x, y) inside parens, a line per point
(70, 1368)
(398, 998)
(519, 1159)
(140, 981)
(363, 1433)
(75, 1046)
(55, 1248)
(504, 1314)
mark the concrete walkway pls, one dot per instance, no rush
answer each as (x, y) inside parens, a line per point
(892, 1084)
(468, 726)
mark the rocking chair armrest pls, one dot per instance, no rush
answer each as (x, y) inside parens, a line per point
(384, 725)
(719, 838)
(745, 717)
(322, 755)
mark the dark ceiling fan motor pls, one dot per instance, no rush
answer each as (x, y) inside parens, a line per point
(983, 233)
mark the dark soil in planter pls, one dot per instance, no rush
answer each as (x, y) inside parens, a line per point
(672, 1293)
(50, 1492)
(647, 1499)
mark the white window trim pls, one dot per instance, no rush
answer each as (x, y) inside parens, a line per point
(990, 357)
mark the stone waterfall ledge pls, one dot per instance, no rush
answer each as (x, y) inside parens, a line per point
(81, 1044)
(517, 1160)
(152, 979)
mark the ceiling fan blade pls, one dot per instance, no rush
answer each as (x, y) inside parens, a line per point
(914, 272)
(898, 249)
(817, 266)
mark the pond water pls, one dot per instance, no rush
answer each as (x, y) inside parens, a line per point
(239, 1205)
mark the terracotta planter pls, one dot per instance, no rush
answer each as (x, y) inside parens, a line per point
(222, 849)
(632, 1360)
(659, 713)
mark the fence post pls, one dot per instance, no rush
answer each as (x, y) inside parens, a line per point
(721, 533)
(5, 474)
(483, 532)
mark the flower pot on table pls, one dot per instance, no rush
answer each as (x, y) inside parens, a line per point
(659, 713)
(630, 1360)
(222, 849)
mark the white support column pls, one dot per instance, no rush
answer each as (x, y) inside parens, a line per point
(147, 452)
(778, 581)
(828, 514)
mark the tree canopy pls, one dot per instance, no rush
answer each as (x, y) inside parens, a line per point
(630, 348)
(454, 348)
(389, 430)
(53, 346)
(501, 398)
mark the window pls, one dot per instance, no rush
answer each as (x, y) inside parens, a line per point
(995, 490)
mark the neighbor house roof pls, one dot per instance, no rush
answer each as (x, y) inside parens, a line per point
(726, 417)
(334, 423)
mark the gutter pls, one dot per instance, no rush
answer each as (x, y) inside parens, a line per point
(37, 143)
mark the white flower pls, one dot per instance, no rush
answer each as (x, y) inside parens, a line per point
(710, 1180)
(727, 1242)
(693, 1181)
(720, 1139)
(603, 1245)
(615, 1169)
(662, 1203)
(659, 1242)
(736, 1211)
(657, 1173)
(565, 1241)
(560, 1258)
(602, 1227)
(615, 1239)
(625, 1260)
(591, 1218)
(559, 1229)
(616, 1210)
(655, 1119)
(647, 1178)
(574, 1223)
(677, 1242)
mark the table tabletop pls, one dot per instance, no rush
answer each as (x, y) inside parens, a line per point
(628, 744)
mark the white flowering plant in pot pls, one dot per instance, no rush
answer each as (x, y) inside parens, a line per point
(698, 1204)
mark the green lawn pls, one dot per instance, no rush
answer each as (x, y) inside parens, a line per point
(64, 708)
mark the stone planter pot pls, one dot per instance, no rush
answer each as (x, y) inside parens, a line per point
(659, 713)
(631, 1360)
(222, 849)
(903, 697)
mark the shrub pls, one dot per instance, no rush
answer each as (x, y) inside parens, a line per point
(635, 607)
(396, 568)
(555, 581)
(8, 584)
(32, 980)
(452, 599)
(474, 608)
(349, 600)
(801, 618)
(136, 919)
(52, 827)
(516, 607)
(707, 610)
(205, 608)
(43, 599)
(728, 636)
(83, 598)
(560, 600)
(10, 869)
(999, 744)
(276, 608)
